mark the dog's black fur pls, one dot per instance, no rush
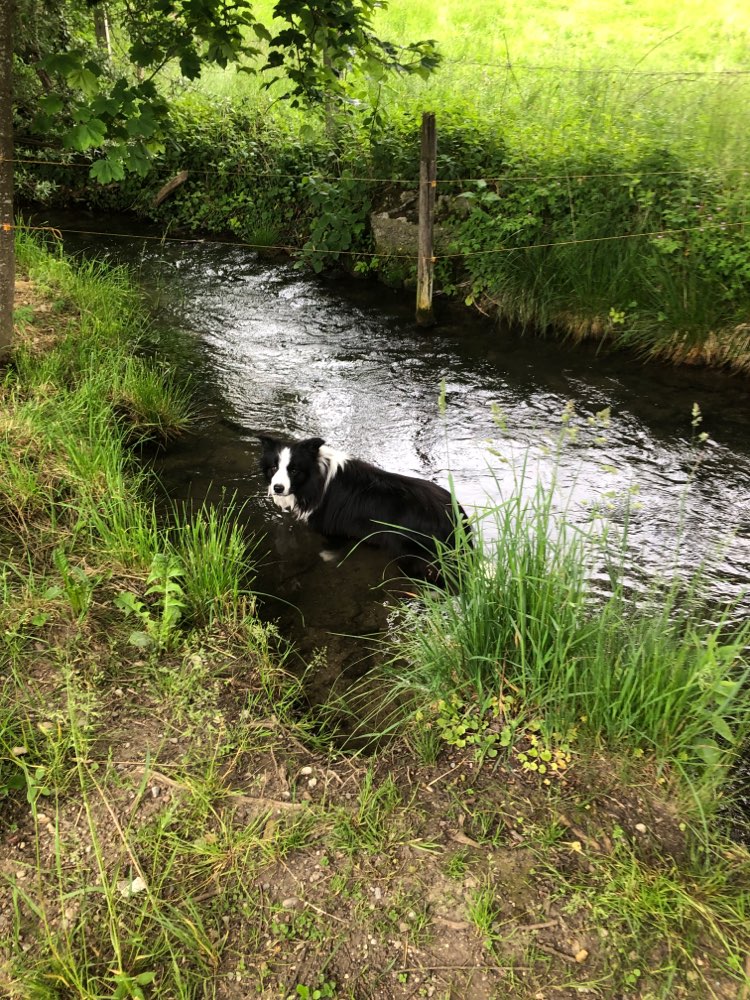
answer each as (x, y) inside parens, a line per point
(345, 498)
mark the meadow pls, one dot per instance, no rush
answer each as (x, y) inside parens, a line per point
(562, 76)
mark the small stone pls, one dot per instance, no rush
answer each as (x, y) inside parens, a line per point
(581, 955)
(312, 782)
(306, 769)
(640, 827)
(155, 791)
(290, 902)
(128, 887)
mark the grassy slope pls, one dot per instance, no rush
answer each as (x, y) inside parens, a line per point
(177, 826)
(580, 73)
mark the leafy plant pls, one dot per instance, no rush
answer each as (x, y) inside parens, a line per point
(129, 987)
(323, 990)
(159, 628)
(78, 586)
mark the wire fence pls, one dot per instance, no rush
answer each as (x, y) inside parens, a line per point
(58, 232)
(509, 66)
(251, 172)
(487, 179)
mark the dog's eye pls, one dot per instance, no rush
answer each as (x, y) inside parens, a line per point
(292, 469)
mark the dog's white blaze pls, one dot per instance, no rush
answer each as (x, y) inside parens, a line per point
(330, 461)
(281, 476)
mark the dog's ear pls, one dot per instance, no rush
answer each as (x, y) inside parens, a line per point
(268, 443)
(312, 444)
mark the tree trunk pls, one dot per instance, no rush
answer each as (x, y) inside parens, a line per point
(101, 29)
(7, 248)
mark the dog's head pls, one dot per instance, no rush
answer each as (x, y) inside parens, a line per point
(289, 467)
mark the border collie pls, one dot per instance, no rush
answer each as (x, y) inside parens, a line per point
(345, 498)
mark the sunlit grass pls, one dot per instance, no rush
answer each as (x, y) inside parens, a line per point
(520, 627)
(559, 78)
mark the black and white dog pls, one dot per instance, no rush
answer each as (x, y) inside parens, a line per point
(345, 498)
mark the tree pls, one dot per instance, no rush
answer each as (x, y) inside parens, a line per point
(316, 48)
(7, 256)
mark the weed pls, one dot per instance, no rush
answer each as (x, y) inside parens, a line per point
(160, 629)
(653, 677)
(483, 911)
(372, 826)
(458, 864)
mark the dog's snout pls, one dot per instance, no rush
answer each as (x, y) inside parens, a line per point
(278, 488)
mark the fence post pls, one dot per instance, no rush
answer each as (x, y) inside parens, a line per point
(427, 185)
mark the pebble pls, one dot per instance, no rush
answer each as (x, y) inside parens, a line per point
(306, 769)
(289, 902)
(312, 782)
(641, 827)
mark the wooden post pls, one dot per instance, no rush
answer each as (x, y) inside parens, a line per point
(427, 185)
(7, 233)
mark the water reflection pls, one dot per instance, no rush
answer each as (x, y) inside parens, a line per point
(278, 351)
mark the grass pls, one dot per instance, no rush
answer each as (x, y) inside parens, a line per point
(175, 822)
(581, 73)
(587, 74)
(522, 638)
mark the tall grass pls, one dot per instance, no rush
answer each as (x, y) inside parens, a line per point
(75, 402)
(521, 622)
(218, 561)
(561, 78)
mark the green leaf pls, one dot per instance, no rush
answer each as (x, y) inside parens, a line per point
(143, 54)
(62, 62)
(721, 727)
(106, 171)
(190, 64)
(83, 79)
(140, 639)
(52, 103)
(87, 135)
(102, 105)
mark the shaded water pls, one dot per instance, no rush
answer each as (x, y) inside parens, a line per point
(276, 350)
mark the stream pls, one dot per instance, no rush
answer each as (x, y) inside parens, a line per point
(273, 349)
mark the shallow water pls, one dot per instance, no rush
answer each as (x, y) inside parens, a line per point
(275, 350)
